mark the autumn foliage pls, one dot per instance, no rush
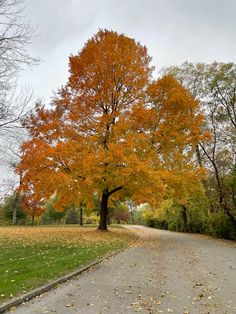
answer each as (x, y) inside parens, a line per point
(111, 130)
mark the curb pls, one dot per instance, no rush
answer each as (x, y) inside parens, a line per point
(30, 295)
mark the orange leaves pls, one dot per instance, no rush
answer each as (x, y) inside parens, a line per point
(104, 68)
(31, 205)
(111, 127)
(176, 117)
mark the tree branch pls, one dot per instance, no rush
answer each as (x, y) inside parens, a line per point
(115, 190)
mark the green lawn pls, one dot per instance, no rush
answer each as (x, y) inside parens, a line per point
(31, 257)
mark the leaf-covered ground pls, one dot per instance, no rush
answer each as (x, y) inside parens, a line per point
(30, 257)
(163, 272)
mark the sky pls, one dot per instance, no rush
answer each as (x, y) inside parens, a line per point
(173, 31)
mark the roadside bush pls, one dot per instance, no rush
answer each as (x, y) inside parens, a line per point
(198, 220)
(156, 223)
(220, 226)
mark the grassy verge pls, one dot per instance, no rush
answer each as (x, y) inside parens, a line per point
(31, 257)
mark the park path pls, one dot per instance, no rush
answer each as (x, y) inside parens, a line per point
(163, 272)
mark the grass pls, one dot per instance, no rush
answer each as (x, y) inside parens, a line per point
(31, 257)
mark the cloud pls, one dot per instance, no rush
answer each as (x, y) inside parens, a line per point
(172, 29)
(58, 21)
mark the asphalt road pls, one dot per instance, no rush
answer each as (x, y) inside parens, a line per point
(163, 272)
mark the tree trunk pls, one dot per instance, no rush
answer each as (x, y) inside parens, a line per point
(14, 211)
(198, 153)
(81, 216)
(103, 211)
(221, 193)
(231, 216)
(184, 219)
(222, 198)
(104, 208)
(132, 213)
(109, 219)
(14, 215)
(32, 221)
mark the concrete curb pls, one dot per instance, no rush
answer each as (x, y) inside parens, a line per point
(30, 295)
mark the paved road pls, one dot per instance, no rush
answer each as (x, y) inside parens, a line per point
(163, 272)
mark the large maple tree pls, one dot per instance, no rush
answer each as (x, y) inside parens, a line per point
(111, 130)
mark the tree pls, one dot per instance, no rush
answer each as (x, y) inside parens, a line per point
(121, 213)
(176, 139)
(32, 207)
(15, 36)
(215, 86)
(230, 182)
(12, 207)
(184, 185)
(72, 216)
(110, 131)
(81, 212)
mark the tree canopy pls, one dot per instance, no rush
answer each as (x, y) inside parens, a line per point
(214, 85)
(112, 130)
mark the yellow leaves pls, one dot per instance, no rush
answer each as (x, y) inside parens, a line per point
(183, 184)
(60, 235)
(157, 211)
(176, 118)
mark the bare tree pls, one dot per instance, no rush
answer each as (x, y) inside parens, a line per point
(15, 35)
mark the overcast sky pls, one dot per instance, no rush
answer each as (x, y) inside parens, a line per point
(173, 31)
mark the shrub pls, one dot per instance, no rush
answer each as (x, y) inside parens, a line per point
(220, 226)
(72, 217)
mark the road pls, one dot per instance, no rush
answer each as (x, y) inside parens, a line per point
(163, 272)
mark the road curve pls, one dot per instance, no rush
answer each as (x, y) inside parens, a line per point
(163, 272)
